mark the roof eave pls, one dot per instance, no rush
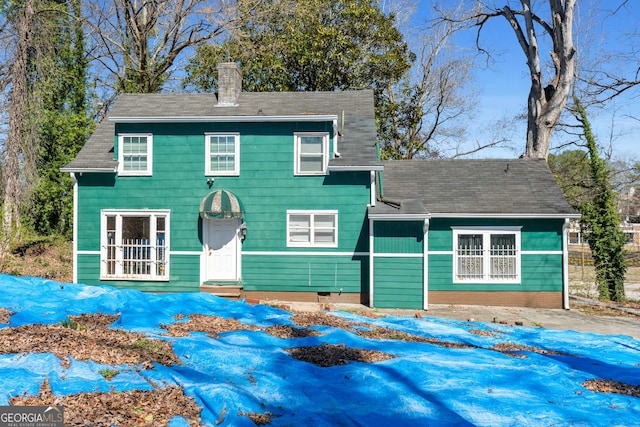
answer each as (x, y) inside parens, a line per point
(201, 119)
(398, 217)
(355, 168)
(505, 215)
(88, 170)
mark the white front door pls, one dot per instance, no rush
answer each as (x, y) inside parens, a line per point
(222, 247)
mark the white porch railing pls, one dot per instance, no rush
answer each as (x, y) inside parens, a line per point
(136, 258)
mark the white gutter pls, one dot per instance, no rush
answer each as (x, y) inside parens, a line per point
(88, 170)
(354, 168)
(565, 264)
(400, 217)
(218, 119)
(503, 215)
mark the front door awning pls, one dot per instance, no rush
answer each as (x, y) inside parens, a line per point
(221, 204)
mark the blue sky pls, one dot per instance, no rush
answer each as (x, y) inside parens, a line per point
(503, 85)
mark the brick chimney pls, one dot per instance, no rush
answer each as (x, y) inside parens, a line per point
(229, 84)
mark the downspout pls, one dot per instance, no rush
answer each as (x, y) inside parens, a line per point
(75, 228)
(371, 278)
(425, 264)
(372, 196)
(565, 264)
(336, 134)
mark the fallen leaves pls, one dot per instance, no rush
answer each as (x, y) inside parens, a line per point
(326, 355)
(512, 349)
(91, 340)
(610, 386)
(127, 408)
(211, 325)
(5, 315)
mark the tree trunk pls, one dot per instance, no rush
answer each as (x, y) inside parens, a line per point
(545, 103)
(12, 190)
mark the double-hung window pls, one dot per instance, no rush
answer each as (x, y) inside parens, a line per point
(134, 245)
(311, 150)
(486, 255)
(135, 154)
(222, 155)
(312, 229)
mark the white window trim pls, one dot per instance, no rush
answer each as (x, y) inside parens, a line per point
(486, 232)
(325, 152)
(207, 157)
(119, 214)
(312, 243)
(149, 171)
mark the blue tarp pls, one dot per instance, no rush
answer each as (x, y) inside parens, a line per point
(251, 372)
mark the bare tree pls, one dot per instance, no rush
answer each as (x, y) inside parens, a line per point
(612, 72)
(551, 86)
(136, 43)
(429, 106)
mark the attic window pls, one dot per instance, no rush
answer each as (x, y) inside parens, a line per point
(311, 150)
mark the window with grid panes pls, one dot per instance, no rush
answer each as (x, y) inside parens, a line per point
(486, 255)
(135, 154)
(222, 154)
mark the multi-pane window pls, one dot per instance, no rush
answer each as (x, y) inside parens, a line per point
(311, 153)
(135, 245)
(487, 255)
(222, 154)
(312, 228)
(135, 154)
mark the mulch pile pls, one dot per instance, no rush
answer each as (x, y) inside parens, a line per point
(88, 337)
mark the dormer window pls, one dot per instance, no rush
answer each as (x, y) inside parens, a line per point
(135, 154)
(311, 153)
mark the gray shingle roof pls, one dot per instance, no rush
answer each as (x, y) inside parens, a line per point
(354, 109)
(472, 187)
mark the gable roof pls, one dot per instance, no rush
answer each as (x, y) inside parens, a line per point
(471, 188)
(354, 111)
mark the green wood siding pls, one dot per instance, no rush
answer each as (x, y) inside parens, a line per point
(540, 272)
(536, 234)
(398, 283)
(266, 187)
(398, 237)
(185, 275)
(300, 273)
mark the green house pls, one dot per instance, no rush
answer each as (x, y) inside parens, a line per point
(282, 196)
